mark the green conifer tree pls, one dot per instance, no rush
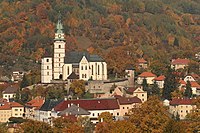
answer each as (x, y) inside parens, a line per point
(188, 90)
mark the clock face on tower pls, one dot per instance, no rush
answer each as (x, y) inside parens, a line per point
(59, 35)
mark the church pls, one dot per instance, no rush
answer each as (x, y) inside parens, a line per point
(64, 64)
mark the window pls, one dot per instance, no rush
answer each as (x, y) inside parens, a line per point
(20, 109)
(127, 107)
(81, 67)
(47, 73)
(142, 94)
(85, 76)
(59, 59)
(47, 60)
(82, 75)
(98, 114)
(98, 70)
(92, 114)
(123, 107)
(85, 67)
(92, 70)
(47, 67)
(118, 114)
(16, 109)
(59, 46)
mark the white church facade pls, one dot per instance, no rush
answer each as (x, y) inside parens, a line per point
(62, 65)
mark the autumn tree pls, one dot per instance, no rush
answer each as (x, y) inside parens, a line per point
(34, 126)
(151, 117)
(78, 86)
(86, 123)
(3, 128)
(105, 117)
(188, 90)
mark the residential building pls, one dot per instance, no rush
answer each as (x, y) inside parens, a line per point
(10, 92)
(149, 76)
(179, 63)
(181, 107)
(160, 80)
(192, 77)
(136, 92)
(17, 75)
(11, 109)
(59, 67)
(127, 103)
(94, 106)
(33, 105)
(142, 63)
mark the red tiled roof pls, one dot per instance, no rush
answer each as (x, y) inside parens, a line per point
(194, 84)
(195, 76)
(184, 101)
(147, 74)
(141, 60)
(131, 89)
(5, 107)
(182, 82)
(87, 104)
(9, 105)
(180, 62)
(37, 102)
(128, 100)
(15, 104)
(160, 78)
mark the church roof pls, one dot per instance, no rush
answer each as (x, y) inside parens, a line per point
(75, 57)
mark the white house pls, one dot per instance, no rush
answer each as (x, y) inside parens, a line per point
(160, 81)
(10, 92)
(149, 76)
(62, 64)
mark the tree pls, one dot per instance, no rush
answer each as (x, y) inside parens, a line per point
(34, 127)
(24, 82)
(78, 86)
(150, 117)
(188, 90)
(145, 85)
(105, 117)
(86, 123)
(170, 83)
(3, 128)
(155, 89)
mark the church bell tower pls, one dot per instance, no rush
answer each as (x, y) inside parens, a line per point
(59, 50)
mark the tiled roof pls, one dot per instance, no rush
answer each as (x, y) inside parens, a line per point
(147, 74)
(181, 101)
(89, 104)
(49, 104)
(180, 62)
(141, 60)
(130, 90)
(9, 105)
(10, 89)
(160, 78)
(74, 110)
(37, 102)
(182, 82)
(128, 100)
(75, 57)
(195, 76)
(194, 84)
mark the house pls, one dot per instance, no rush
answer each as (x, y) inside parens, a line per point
(2, 101)
(179, 63)
(149, 76)
(119, 90)
(142, 63)
(127, 103)
(182, 85)
(33, 105)
(44, 112)
(10, 92)
(181, 107)
(192, 77)
(94, 106)
(11, 109)
(160, 80)
(59, 67)
(17, 75)
(195, 86)
(136, 92)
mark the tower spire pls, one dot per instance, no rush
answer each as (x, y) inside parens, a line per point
(59, 35)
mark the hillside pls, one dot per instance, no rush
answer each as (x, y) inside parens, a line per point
(157, 30)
